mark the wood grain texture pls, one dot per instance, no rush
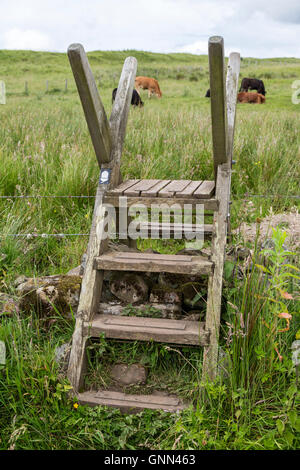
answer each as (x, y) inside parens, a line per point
(210, 204)
(213, 314)
(149, 262)
(205, 190)
(218, 100)
(92, 106)
(173, 229)
(127, 402)
(173, 187)
(147, 329)
(120, 110)
(232, 81)
(143, 185)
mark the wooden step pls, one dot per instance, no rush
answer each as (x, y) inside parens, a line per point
(169, 192)
(147, 329)
(166, 230)
(149, 262)
(128, 402)
(165, 188)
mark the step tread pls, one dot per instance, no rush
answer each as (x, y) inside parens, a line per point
(164, 188)
(127, 401)
(150, 262)
(147, 329)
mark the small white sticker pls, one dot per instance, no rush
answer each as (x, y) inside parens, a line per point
(105, 176)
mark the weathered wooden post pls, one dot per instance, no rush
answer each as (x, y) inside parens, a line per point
(47, 86)
(223, 118)
(66, 85)
(107, 138)
(218, 100)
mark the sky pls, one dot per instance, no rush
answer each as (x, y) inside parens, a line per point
(255, 29)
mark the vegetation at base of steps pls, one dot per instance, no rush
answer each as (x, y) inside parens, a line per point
(45, 150)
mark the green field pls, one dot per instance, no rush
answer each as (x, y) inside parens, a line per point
(45, 150)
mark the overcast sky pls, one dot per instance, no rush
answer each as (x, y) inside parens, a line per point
(253, 28)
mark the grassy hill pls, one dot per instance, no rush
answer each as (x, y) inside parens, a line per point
(45, 150)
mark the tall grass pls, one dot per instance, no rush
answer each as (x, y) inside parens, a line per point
(45, 150)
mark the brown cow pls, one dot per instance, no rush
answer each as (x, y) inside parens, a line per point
(150, 84)
(246, 97)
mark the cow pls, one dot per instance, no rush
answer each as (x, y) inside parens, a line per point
(135, 99)
(253, 84)
(246, 97)
(207, 93)
(150, 84)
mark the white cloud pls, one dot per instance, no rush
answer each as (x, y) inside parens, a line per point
(26, 39)
(157, 25)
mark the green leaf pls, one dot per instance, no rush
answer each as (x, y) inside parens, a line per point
(289, 437)
(262, 268)
(228, 270)
(280, 426)
(293, 417)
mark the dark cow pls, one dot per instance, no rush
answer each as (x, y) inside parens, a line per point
(253, 84)
(135, 100)
(207, 93)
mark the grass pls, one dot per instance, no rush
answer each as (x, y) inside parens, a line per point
(45, 150)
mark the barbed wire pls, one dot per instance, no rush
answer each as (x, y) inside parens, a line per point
(28, 197)
(247, 196)
(30, 236)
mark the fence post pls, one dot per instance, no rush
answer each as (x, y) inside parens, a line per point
(47, 86)
(66, 84)
(218, 100)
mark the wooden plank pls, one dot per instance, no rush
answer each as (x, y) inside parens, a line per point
(189, 189)
(121, 106)
(143, 185)
(179, 230)
(155, 189)
(205, 190)
(148, 262)
(210, 204)
(232, 80)
(92, 106)
(148, 329)
(218, 100)
(173, 187)
(167, 310)
(120, 189)
(127, 402)
(146, 323)
(213, 313)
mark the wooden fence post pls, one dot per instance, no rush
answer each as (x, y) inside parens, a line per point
(232, 79)
(218, 100)
(47, 86)
(66, 84)
(93, 108)
(26, 88)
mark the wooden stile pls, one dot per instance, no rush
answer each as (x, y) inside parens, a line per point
(95, 317)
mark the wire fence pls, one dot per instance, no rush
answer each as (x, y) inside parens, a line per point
(30, 236)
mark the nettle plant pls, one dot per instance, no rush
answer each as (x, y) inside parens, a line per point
(281, 277)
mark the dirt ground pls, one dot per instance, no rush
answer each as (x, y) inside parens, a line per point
(289, 222)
